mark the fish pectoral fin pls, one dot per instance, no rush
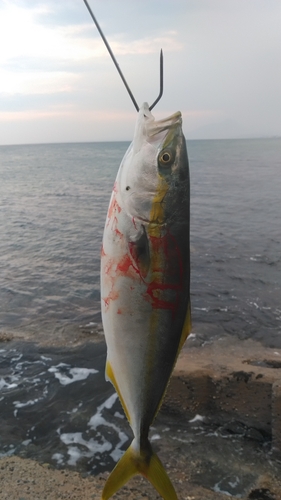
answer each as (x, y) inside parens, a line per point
(146, 463)
(140, 252)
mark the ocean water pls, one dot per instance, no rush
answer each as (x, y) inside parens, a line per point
(53, 203)
(55, 405)
(57, 408)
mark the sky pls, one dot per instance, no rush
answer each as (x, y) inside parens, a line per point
(222, 68)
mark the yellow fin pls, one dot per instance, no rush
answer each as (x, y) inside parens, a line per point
(109, 374)
(121, 473)
(146, 463)
(159, 479)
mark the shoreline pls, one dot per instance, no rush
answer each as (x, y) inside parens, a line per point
(233, 390)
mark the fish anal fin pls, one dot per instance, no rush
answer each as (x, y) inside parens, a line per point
(109, 375)
(144, 462)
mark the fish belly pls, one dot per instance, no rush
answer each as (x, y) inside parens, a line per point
(144, 318)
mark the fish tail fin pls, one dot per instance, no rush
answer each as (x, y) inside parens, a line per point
(144, 462)
(159, 478)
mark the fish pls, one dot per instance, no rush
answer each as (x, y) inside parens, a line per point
(145, 285)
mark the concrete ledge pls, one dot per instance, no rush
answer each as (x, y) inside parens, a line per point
(230, 381)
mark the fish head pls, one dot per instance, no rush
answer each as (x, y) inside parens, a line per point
(154, 177)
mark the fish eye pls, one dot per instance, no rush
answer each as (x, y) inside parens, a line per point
(165, 158)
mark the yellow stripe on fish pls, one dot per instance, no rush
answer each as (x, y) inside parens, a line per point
(157, 210)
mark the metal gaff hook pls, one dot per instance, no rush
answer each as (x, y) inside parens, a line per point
(117, 65)
(161, 82)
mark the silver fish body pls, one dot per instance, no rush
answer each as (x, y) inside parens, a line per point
(145, 282)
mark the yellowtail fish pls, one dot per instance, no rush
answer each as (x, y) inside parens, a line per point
(145, 275)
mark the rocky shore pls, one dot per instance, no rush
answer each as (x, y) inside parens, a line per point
(218, 432)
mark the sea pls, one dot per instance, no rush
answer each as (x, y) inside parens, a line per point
(53, 204)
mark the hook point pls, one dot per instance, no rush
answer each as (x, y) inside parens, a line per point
(161, 82)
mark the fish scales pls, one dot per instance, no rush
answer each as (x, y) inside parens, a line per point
(145, 283)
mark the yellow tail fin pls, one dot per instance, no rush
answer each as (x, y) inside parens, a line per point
(145, 462)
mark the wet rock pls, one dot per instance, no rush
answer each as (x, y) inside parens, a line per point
(254, 434)
(209, 431)
(235, 427)
(276, 418)
(261, 494)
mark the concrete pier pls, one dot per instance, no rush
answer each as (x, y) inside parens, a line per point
(231, 381)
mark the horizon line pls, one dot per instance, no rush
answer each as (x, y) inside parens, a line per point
(130, 140)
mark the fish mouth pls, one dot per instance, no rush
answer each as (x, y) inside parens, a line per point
(154, 131)
(171, 122)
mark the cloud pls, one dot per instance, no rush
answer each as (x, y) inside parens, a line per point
(65, 124)
(67, 111)
(148, 45)
(23, 34)
(31, 82)
(224, 129)
(38, 58)
(221, 62)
